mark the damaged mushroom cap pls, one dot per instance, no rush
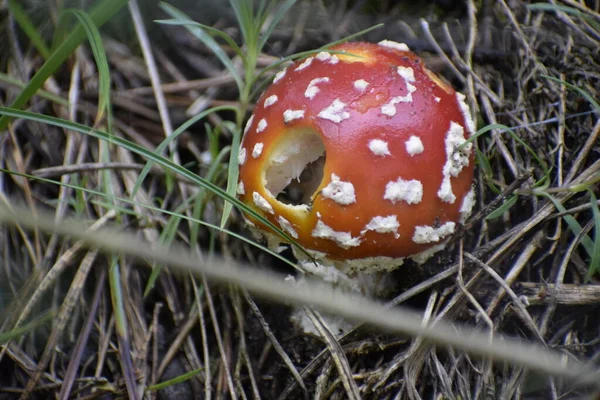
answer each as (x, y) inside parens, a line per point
(359, 156)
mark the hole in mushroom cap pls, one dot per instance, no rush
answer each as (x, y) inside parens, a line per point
(295, 167)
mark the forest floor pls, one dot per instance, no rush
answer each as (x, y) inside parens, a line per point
(93, 316)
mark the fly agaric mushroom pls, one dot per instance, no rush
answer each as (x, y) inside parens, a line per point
(357, 156)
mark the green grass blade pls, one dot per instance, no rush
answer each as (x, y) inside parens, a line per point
(105, 11)
(245, 18)
(116, 295)
(21, 330)
(175, 381)
(567, 10)
(137, 149)
(483, 131)
(595, 256)
(587, 243)
(216, 32)
(277, 16)
(93, 35)
(233, 172)
(200, 198)
(577, 89)
(41, 92)
(166, 237)
(352, 36)
(504, 207)
(30, 30)
(486, 168)
(178, 212)
(207, 40)
(515, 137)
(166, 142)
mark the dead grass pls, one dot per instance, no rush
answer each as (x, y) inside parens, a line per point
(523, 273)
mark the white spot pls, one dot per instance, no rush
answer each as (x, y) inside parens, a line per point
(269, 101)
(242, 156)
(455, 160)
(305, 64)
(262, 125)
(248, 124)
(379, 147)
(343, 239)
(335, 112)
(290, 115)
(388, 224)
(312, 89)
(429, 234)
(287, 226)
(393, 45)
(240, 188)
(360, 85)
(466, 113)
(334, 60)
(389, 109)
(262, 203)
(407, 73)
(323, 56)
(467, 206)
(279, 75)
(401, 190)
(338, 191)
(437, 99)
(414, 146)
(257, 151)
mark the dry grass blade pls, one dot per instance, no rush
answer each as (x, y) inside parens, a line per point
(276, 345)
(62, 318)
(337, 354)
(352, 307)
(71, 372)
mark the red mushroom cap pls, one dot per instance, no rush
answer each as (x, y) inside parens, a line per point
(379, 133)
